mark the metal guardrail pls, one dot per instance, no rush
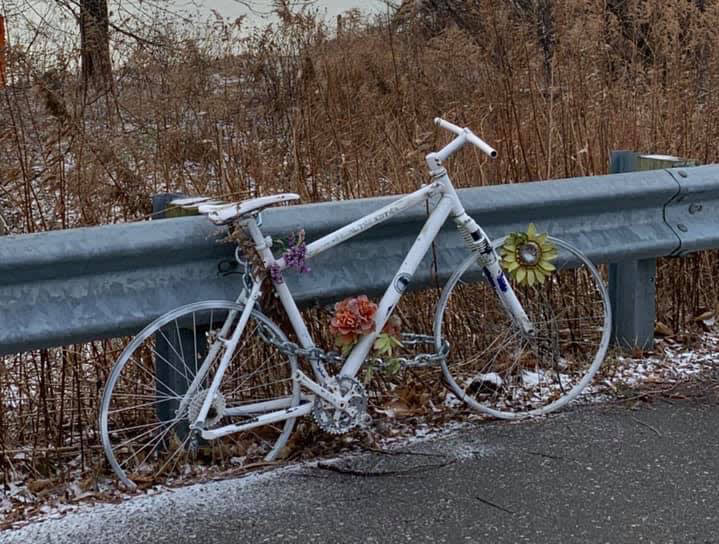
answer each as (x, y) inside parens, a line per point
(632, 283)
(64, 287)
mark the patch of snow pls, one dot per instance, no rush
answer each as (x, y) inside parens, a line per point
(491, 377)
(112, 518)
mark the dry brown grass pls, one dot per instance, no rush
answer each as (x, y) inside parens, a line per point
(336, 116)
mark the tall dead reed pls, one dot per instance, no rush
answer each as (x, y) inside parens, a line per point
(336, 114)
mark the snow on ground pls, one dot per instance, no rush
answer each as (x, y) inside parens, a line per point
(669, 364)
(114, 517)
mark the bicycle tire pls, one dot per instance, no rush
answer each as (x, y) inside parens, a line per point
(146, 440)
(496, 370)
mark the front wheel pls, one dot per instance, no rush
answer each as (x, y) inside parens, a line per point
(496, 368)
(149, 403)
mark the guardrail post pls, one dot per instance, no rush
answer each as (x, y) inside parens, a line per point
(174, 369)
(160, 203)
(172, 344)
(632, 284)
(633, 294)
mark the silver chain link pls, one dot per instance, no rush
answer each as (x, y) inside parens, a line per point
(420, 360)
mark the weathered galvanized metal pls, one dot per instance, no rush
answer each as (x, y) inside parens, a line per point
(632, 282)
(58, 288)
(691, 214)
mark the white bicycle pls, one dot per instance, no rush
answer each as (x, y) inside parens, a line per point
(218, 380)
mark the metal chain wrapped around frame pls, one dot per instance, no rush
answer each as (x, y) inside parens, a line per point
(271, 307)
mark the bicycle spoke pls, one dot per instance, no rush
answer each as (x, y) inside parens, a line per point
(154, 376)
(154, 424)
(151, 445)
(180, 449)
(146, 397)
(144, 433)
(126, 409)
(171, 344)
(495, 366)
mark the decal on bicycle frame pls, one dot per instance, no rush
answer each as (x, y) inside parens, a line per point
(485, 259)
(488, 276)
(486, 255)
(502, 282)
(401, 282)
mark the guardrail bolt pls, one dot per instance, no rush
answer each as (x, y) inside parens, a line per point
(695, 208)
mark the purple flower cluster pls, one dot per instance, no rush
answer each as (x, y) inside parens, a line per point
(296, 251)
(294, 257)
(276, 274)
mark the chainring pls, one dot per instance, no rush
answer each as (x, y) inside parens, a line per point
(338, 421)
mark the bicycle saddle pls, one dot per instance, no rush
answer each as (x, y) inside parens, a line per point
(223, 213)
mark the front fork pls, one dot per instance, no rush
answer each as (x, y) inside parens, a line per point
(479, 243)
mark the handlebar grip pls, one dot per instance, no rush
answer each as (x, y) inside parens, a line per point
(448, 126)
(481, 144)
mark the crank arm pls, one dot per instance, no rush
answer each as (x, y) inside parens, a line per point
(317, 389)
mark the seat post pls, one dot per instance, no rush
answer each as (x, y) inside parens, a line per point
(262, 243)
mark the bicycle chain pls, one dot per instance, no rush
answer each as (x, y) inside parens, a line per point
(421, 360)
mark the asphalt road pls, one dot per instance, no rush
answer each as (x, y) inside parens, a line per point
(601, 474)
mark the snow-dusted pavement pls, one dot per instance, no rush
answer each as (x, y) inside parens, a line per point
(603, 473)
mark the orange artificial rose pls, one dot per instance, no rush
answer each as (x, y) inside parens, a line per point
(353, 318)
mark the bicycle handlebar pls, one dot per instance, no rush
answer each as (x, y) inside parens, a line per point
(469, 135)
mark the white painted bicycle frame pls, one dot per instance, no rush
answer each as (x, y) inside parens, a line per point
(448, 205)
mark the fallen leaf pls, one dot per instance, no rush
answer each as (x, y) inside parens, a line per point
(36, 486)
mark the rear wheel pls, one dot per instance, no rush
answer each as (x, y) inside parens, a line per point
(494, 367)
(144, 421)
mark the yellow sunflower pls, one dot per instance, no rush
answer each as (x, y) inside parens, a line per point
(527, 256)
